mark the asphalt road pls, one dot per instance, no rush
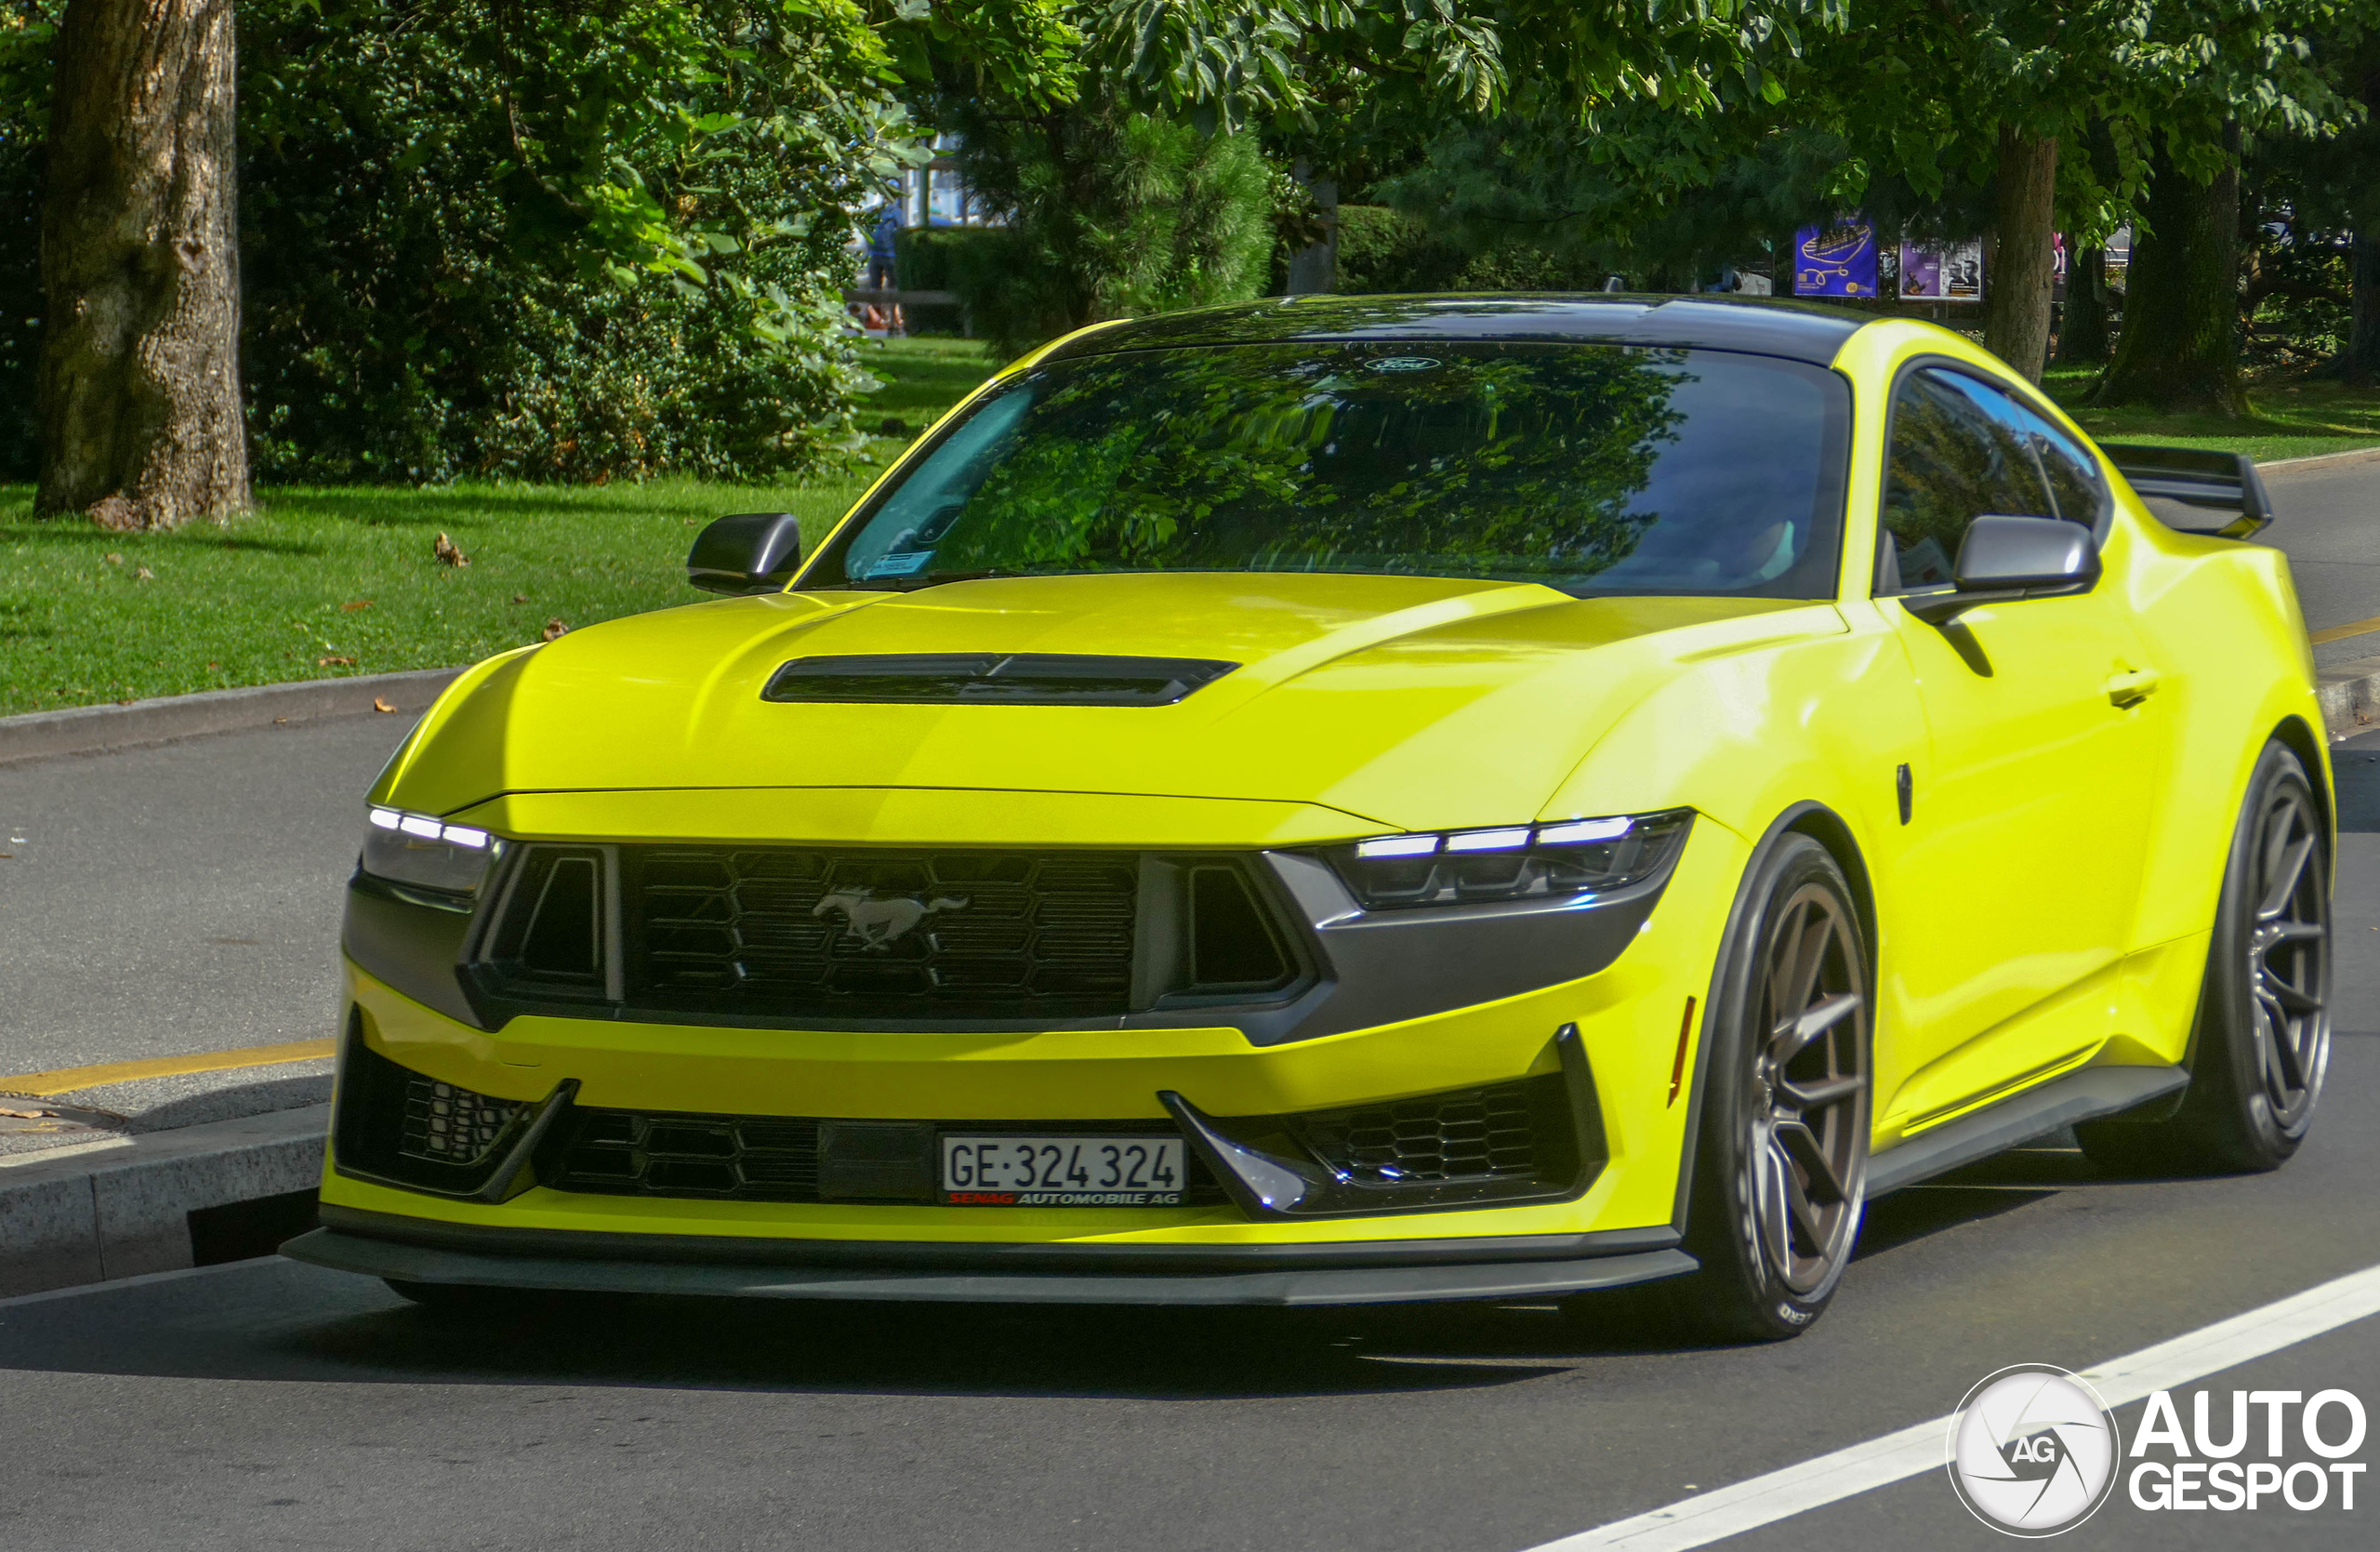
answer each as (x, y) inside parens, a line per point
(268, 1404)
(2328, 520)
(179, 898)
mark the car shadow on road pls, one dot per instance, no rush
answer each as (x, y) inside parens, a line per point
(272, 1321)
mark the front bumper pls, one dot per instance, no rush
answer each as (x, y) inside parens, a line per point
(1629, 1036)
(1393, 1272)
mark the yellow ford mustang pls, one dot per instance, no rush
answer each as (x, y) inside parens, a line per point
(1356, 800)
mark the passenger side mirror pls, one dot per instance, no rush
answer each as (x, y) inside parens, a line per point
(2004, 559)
(751, 552)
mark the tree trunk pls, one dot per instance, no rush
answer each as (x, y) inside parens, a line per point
(2016, 329)
(2083, 341)
(2179, 349)
(2363, 329)
(139, 372)
(1315, 268)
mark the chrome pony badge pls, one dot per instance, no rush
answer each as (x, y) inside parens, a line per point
(878, 924)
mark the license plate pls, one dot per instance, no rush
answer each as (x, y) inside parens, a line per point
(1080, 1171)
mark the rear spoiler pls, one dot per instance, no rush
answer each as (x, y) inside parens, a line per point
(2221, 481)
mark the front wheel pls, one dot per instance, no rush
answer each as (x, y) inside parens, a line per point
(1781, 1158)
(2262, 1044)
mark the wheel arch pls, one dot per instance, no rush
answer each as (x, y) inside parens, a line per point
(1823, 824)
(2302, 742)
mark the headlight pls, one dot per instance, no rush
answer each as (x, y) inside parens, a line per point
(1513, 862)
(426, 851)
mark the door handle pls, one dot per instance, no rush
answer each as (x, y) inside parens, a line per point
(2132, 687)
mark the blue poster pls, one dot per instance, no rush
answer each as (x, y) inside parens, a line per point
(1838, 260)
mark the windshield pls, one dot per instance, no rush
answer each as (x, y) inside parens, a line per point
(1593, 468)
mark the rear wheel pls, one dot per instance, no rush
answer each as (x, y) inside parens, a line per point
(2262, 1044)
(1781, 1160)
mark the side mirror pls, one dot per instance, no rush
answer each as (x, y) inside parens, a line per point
(2004, 559)
(751, 552)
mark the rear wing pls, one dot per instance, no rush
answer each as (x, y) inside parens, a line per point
(2219, 481)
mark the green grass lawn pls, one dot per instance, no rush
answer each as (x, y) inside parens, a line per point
(923, 377)
(2286, 419)
(317, 583)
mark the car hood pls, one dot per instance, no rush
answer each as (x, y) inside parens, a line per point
(1401, 701)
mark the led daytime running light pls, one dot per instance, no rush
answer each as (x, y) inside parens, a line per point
(431, 827)
(1510, 838)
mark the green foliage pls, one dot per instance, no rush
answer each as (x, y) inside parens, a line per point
(1383, 252)
(1110, 214)
(554, 244)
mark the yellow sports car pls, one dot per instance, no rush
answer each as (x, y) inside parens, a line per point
(1359, 799)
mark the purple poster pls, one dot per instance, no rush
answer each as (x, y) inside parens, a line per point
(1941, 275)
(1837, 260)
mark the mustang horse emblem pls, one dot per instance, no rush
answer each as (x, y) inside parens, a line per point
(878, 922)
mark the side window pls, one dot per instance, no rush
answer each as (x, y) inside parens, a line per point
(2074, 485)
(1958, 452)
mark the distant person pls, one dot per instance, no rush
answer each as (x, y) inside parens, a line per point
(880, 273)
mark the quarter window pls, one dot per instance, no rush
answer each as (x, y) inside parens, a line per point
(1961, 448)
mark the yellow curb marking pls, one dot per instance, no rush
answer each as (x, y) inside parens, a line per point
(2341, 632)
(67, 1079)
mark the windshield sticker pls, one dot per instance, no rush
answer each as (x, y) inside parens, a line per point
(901, 565)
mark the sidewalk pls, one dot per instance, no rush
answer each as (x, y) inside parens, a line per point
(132, 1167)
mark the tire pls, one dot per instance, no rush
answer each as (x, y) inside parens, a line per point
(1781, 1155)
(2261, 1045)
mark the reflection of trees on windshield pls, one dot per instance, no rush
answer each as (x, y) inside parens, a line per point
(1517, 461)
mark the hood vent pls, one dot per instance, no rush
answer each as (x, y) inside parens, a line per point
(1019, 679)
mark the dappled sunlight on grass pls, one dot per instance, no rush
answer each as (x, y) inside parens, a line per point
(323, 583)
(2286, 419)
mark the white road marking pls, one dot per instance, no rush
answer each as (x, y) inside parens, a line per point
(1730, 1511)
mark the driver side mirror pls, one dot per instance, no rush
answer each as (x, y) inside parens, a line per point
(750, 552)
(2004, 559)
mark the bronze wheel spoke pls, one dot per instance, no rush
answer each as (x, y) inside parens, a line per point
(1817, 1093)
(1801, 1146)
(1795, 1034)
(2277, 899)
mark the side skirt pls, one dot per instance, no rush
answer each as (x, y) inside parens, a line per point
(2084, 1095)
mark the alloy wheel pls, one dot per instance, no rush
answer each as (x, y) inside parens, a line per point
(2288, 957)
(1809, 1099)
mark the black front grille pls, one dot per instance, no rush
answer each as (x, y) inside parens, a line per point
(755, 1157)
(1474, 1135)
(796, 933)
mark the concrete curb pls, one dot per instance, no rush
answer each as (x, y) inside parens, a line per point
(89, 729)
(123, 1207)
(2318, 461)
(2350, 697)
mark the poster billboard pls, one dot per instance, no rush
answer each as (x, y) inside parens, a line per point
(1951, 273)
(1838, 260)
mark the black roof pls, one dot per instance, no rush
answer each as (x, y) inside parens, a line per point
(1783, 326)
